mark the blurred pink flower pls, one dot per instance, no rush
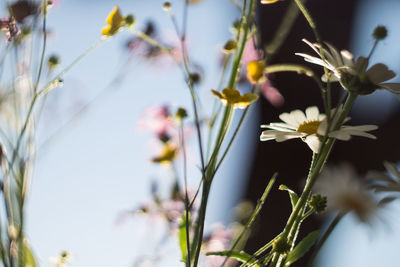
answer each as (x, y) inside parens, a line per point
(252, 53)
(219, 239)
(157, 120)
(9, 26)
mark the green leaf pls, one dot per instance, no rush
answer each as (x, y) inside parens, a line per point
(29, 257)
(238, 255)
(182, 238)
(302, 248)
(293, 196)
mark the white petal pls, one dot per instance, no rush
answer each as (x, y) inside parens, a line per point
(313, 46)
(280, 126)
(289, 119)
(299, 116)
(279, 136)
(313, 142)
(312, 113)
(348, 58)
(341, 135)
(392, 87)
(379, 73)
(335, 54)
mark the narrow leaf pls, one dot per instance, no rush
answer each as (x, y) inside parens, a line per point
(182, 238)
(302, 248)
(293, 196)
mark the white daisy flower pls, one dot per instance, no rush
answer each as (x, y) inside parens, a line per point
(353, 75)
(310, 127)
(346, 193)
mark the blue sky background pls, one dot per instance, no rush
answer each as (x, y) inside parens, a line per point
(99, 166)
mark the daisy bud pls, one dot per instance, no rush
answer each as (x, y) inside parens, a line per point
(167, 6)
(195, 77)
(380, 32)
(281, 245)
(130, 20)
(318, 203)
(229, 47)
(53, 62)
(181, 113)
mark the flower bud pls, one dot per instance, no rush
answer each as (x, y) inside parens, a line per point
(380, 32)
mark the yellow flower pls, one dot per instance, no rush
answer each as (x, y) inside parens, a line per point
(167, 155)
(255, 72)
(116, 21)
(265, 2)
(195, 1)
(233, 97)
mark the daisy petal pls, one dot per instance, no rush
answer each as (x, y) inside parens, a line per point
(379, 73)
(312, 113)
(289, 119)
(313, 142)
(392, 87)
(299, 116)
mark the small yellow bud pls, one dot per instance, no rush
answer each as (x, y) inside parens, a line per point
(229, 47)
(255, 72)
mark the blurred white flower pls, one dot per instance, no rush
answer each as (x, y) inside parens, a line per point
(346, 193)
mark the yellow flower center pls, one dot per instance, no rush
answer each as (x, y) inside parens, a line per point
(309, 127)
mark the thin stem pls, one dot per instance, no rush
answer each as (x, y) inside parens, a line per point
(283, 30)
(312, 176)
(44, 3)
(253, 216)
(50, 85)
(187, 225)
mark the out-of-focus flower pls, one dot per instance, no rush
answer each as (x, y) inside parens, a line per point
(62, 260)
(352, 75)
(310, 127)
(23, 9)
(116, 21)
(385, 182)
(218, 240)
(9, 26)
(255, 72)
(167, 155)
(229, 47)
(158, 120)
(195, 1)
(252, 54)
(234, 98)
(346, 193)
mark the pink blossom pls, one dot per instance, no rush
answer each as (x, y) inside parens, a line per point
(157, 120)
(252, 53)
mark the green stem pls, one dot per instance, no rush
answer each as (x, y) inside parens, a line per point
(282, 32)
(312, 176)
(253, 216)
